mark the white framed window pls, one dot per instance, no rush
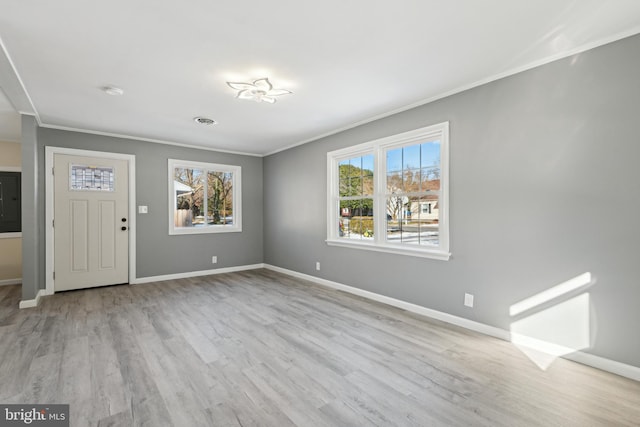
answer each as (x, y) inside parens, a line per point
(392, 194)
(204, 198)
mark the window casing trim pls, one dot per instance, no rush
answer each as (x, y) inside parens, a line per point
(236, 172)
(378, 147)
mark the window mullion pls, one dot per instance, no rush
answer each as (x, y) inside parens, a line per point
(379, 202)
(205, 190)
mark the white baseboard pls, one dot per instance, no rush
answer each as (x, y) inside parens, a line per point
(30, 303)
(6, 282)
(188, 274)
(618, 368)
(42, 292)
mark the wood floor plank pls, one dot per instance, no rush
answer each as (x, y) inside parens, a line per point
(258, 348)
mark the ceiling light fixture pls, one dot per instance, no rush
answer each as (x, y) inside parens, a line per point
(204, 121)
(112, 90)
(260, 90)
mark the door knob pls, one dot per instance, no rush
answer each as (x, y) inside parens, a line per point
(123, 228)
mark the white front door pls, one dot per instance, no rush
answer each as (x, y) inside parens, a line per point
(91, 224)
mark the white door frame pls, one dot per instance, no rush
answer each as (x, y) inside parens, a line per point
(49, 191)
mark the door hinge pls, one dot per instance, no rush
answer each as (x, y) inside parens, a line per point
(53, 223)
(53, 171)
(54, 275)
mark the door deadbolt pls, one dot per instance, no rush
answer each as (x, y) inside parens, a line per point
(124, 219)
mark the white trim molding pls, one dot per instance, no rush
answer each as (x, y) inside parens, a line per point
(49, 193)
(188, 274)
(153, 140)
(7, 282)
(618, 368)
(43, 292)
(14, 235)
(30, 303)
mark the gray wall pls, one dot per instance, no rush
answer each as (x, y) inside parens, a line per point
(157, 253)
(545, 185)
(32, 210)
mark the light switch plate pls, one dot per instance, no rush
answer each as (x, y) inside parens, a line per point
(468, 300)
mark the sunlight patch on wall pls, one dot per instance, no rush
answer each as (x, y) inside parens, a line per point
(553, 329)
(550, 294)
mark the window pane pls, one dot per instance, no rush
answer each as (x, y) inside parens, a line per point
(91, 178)
(430, 154)
(394, 215)
(430, 178)
(411, 157)
(220, 198)
(356, 219)
(394, 206)
(367, 208)
(344, 214)
(356, 166)
(394, 182)
(349, 176)
(394, 160)
(343, 187)
(189, 191)
(367, 185)
(362, 221)
(413, 220)
(428, 217)
(410, 224)
(400, 224)
(367, 164)
(355, 176)
(356, 186)
(411, 180)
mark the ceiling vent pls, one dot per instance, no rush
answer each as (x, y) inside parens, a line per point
(204, 121)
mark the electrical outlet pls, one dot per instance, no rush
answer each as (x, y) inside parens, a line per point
(318, 265)
(214, 260)
(468, 300)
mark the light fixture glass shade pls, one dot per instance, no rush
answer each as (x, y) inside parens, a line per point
(261, 90)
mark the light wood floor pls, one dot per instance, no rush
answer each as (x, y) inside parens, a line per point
(260, 348)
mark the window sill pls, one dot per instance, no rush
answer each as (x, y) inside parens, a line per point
(204, 230)
(15, 235)
(422, 253)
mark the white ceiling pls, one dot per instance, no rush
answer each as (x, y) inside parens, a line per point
(347, 61)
